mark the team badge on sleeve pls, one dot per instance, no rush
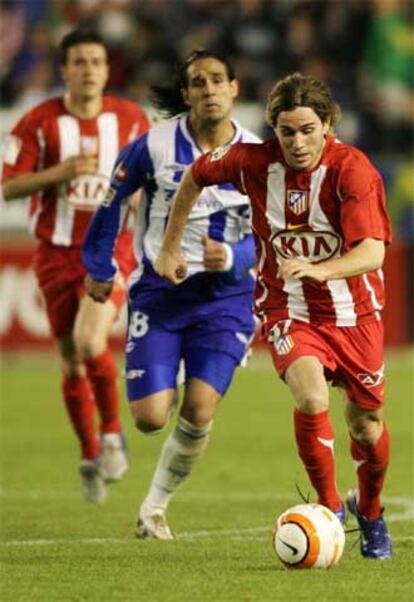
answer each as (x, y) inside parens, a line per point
(109, 197)
(219, 152)
(121, 173)
(297, 201)
(12, 148)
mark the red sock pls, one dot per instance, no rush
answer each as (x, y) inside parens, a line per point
(372, 465)
(80, 405)
(314, 438)
(102, 374)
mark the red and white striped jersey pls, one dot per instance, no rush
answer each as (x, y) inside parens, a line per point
(49, 134)
(314, 215)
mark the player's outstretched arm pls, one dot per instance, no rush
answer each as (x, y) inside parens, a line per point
(99, 243)
(170, 264)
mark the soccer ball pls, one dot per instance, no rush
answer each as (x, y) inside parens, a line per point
(308, 535)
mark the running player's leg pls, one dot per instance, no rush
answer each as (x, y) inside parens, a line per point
(152, 363)
(78, 398)
(80, 405)
(91, 333)
(370, 443)
(209, 371)
(187, 443)
(363, 364)
(59, 288)
(92, 328)
(370, 449)
(313, 430)
(300, 356)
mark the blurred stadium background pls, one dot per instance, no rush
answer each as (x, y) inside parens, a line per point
(53, 547)
(363, 49)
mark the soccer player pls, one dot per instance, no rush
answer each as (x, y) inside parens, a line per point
(207, 321)
(62, 153)
(320, 224)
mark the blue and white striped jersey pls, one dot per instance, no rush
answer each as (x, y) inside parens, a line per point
(155, 163)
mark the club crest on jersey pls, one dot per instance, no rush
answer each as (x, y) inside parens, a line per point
(89, 145)
(298, 201)
(120, 173)
(219, 152)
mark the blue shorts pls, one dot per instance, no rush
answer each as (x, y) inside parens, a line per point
(165, 326)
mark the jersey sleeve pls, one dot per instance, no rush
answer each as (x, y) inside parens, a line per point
(22, 148)
(220, 166)
(363, 205)
(132, 169)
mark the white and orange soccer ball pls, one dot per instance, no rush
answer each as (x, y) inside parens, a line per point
(307, 536)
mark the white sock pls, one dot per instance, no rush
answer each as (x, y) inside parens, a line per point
(180, 452)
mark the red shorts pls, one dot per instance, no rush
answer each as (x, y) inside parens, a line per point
(353, 357)
(61, 273)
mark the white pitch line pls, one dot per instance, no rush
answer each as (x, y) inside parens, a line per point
(406, 514)
(232, 534)
(222, 532)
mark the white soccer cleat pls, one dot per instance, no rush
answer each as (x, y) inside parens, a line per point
(113, 459)
(93, 486)
(153, 525)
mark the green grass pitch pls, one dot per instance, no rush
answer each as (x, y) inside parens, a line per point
(54, 547)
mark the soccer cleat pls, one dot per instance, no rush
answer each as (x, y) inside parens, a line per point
(153, 526)
(93, 486)
(375, 539)
(341, 514)
(113, 459)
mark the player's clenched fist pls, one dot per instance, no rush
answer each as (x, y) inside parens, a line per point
(99, 291)
(299, 268)
(78, 165)
(171, 266)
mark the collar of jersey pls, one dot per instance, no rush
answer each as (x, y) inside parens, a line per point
(183, 124)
